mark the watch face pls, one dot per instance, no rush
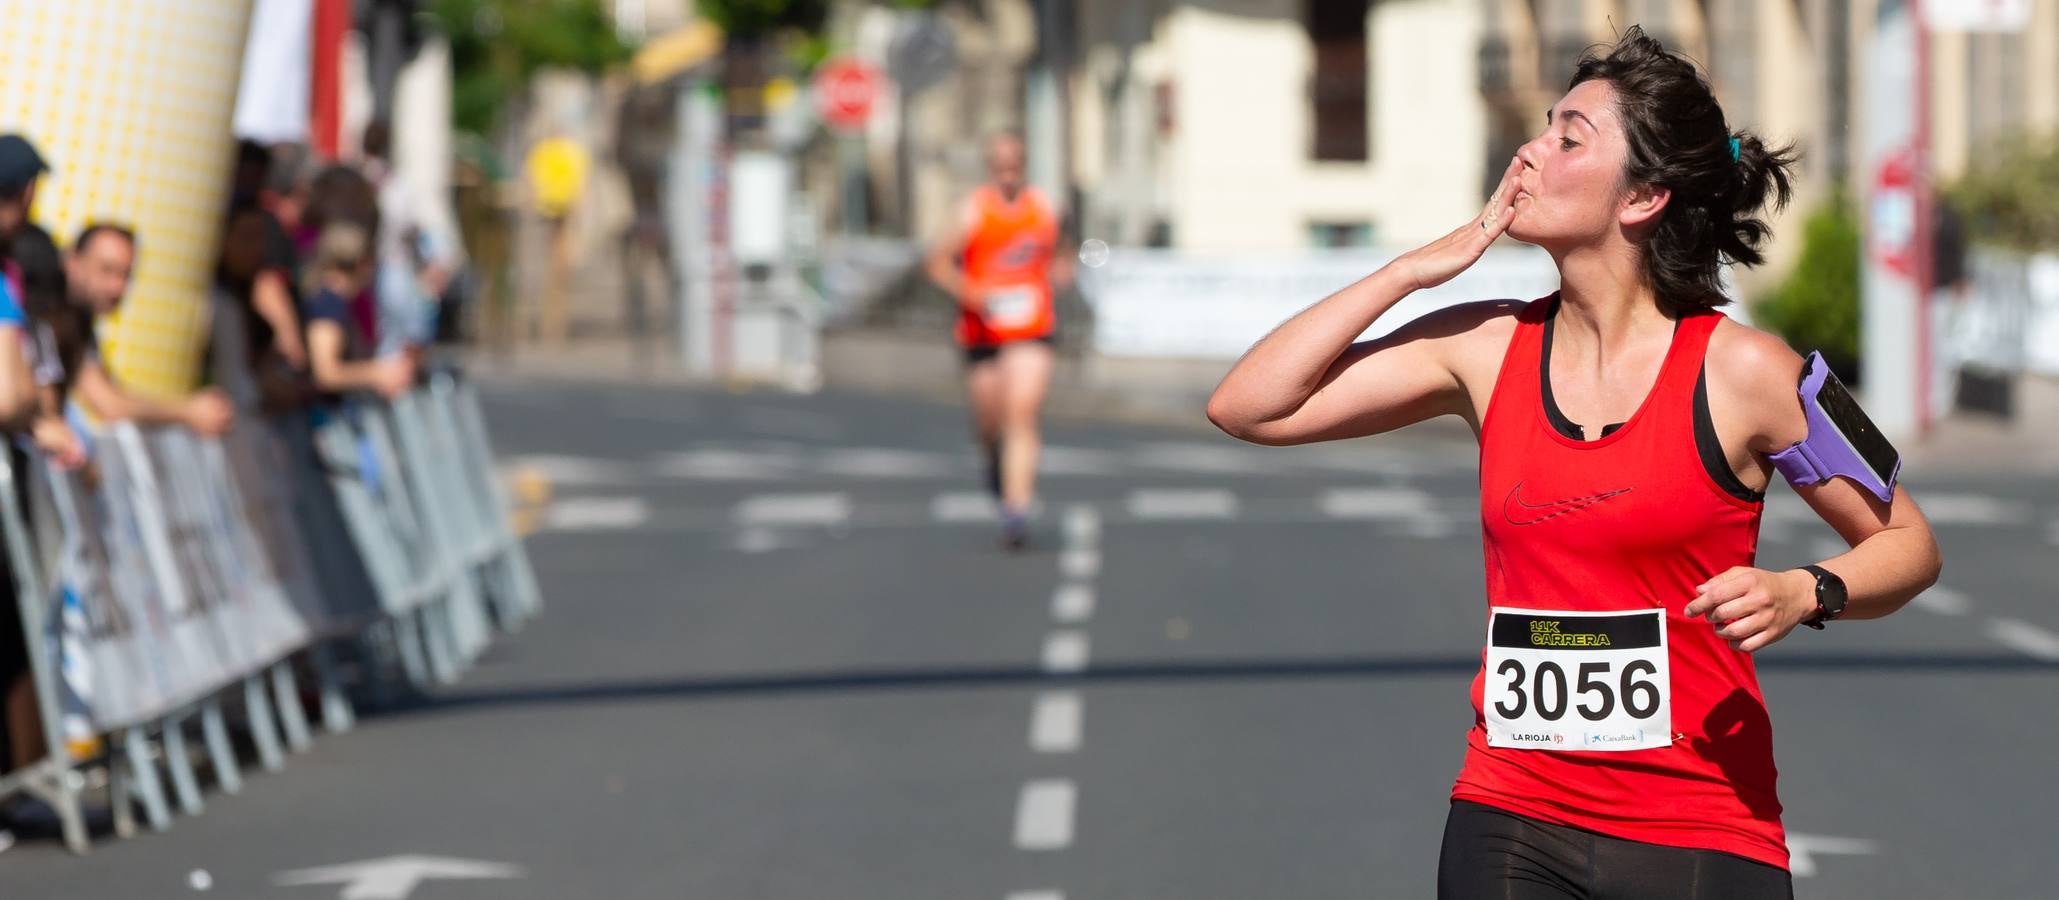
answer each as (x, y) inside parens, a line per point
(1830, 592)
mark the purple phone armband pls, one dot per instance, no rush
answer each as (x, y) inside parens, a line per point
(1841, 439)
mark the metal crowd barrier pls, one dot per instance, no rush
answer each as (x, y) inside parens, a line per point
(181, 581)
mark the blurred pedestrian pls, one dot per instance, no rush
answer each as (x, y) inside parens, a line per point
(413, 264)
(557, 169)
(340, 354)
(1000, 262)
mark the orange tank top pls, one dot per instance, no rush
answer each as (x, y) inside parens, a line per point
(1008, 251)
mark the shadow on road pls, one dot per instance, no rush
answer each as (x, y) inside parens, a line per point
(1319, 668)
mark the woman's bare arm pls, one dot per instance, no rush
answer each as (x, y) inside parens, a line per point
(1307, 381)
(1893, 556)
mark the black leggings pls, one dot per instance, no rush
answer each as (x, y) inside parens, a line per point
(1490, 853)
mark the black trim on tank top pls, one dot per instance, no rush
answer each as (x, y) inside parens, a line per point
(1707, 444)
(1552, 413)
(1710, 447)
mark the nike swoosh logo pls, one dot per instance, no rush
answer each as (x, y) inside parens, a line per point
(1519, 513)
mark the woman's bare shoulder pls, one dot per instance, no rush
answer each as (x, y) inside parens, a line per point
(1756, 373)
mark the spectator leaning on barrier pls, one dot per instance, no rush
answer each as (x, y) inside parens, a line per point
(268, 288)
(21, 733)
(338, 349)
(413, 265)
(20, 165)
(252, 354)
(341, 195)
(97, 273)
(36, 272)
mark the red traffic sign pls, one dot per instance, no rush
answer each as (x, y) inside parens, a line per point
(846, 90)
(1892, 231)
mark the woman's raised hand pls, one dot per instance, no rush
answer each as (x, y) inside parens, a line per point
(1442, 259)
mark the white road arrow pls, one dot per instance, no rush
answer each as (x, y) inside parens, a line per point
(1802, 847)
(394, 877)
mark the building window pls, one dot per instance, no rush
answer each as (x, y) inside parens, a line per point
(1339, 87)
(1335, 235)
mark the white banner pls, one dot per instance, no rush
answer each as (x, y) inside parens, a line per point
(1157, 303)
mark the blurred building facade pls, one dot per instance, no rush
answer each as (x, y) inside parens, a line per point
(1274, 125)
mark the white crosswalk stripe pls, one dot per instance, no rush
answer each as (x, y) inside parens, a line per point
(1198, 503)
(574, 471)
(596, 514)
(2025, 638)
(795, 509)
(726, 465)
(1061, 460)
(964, 506)
(1376, 503)
(1973, 509)
(884, 462)
(1204, 458)
(1944, 601)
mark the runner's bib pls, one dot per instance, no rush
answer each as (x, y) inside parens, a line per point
(1014, 307)
(1577, 681)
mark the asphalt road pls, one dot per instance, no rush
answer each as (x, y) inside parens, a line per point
(782, 658)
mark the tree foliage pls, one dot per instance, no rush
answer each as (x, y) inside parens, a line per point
(1817, 306)
(2009, 197)
(497, 45)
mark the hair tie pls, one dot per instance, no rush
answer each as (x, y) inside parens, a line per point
(1734, 150)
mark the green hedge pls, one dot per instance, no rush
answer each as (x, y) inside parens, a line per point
(1817, 306)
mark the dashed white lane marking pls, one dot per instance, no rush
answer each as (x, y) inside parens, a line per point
(596, 514)
(1055, 725)
(726, 465)
(1376, 503)
(1043, 815)
(964, 506)
(1199, 503)
(1080, 563)
(1073, 603)
(2025, 638)
(1065, 652)
(1944, 601)
(1036, 895)
(794, 509)
(1082, 526)
(882, 462)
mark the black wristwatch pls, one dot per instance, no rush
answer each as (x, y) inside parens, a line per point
(1830, 597)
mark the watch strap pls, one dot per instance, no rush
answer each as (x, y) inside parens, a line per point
(1822, 615)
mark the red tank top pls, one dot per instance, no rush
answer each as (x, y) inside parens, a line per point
(1008, 251)
(1631, 521)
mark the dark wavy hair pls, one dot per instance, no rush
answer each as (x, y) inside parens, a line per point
(1679, 140)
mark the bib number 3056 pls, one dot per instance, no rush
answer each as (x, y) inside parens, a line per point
(1577, 681)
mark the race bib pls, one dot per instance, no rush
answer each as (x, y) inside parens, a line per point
(1577, 681)
(1014, 307)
